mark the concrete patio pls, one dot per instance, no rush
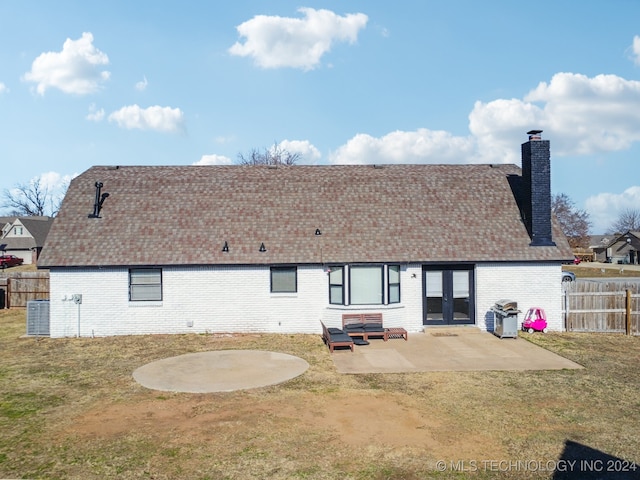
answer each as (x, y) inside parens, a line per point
(448, 349)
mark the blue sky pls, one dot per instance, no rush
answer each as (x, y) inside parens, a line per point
(181, 83)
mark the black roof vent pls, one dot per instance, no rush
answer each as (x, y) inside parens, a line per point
(100, 198)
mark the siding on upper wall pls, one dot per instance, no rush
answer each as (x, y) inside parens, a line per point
(238, 299)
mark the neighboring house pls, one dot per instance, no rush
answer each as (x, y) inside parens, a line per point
(178, 249)
(598, 245)
(623, 248)
(24, 237)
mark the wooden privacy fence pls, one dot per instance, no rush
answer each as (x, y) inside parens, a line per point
(605, 307)
(20, 287)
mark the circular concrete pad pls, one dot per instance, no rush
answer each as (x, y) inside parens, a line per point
(219, 371)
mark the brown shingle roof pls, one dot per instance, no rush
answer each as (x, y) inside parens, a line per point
(178, 215)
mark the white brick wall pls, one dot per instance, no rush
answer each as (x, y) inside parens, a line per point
(237, 299)
(531, 285)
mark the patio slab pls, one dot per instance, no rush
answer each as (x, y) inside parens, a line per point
(449, 349)
(220, 371)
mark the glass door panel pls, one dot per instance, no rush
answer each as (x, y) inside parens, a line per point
(433, 287)
(448, 295)
(460, 295)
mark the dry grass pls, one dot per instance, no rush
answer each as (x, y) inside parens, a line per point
(603, 270)
(69, 408)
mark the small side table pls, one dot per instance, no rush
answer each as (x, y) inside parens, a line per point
(396, 333)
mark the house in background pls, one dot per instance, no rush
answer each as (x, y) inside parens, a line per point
(623, 248)
(598, 244)
(178, 249)
(24, 237)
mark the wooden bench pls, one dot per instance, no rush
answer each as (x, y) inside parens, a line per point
(364, 325)
(334, 337)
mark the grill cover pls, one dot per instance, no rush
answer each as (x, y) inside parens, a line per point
(507, 305)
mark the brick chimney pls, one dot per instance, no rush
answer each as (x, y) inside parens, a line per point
(536, 176)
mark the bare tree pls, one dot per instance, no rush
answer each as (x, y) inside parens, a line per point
(276, 155)
(32, 199)
(574, 223)
(628, 220)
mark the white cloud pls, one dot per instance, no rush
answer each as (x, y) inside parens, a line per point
(141, 86)
(3, 88)
(309, 154)
(420, 146)
(55, 182)
(583, 116)
(499, 125)
(76, 69)
(275, 41)
(161, 119)
(213, 160)
(590, 115)
(605, 208)
(635, 50)
(95, 114)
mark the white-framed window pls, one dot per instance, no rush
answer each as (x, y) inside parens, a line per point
(284, 279)
(18, 230)
(365, 284)
(145, 284)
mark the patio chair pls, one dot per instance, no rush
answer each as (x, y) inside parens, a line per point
(334, 337)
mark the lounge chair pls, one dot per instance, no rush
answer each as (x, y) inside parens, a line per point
(334, 337)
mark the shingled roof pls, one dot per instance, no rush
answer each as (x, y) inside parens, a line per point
(183, 215)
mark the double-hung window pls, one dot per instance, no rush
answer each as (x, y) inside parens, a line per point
(145, 284)
(284, 279)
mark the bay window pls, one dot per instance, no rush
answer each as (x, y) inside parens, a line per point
(365, 284)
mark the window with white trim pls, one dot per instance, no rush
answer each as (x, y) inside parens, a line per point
(145, 284)
(284, 279)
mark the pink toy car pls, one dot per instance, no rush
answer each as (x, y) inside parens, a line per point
(535, 320)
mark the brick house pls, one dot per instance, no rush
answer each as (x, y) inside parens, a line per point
(178, 249)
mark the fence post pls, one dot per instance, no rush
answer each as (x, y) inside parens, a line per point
(567, 326)
(628, 308)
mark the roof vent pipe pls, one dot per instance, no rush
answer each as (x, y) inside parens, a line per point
(100, 198)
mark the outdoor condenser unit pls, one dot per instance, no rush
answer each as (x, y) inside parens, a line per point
(38, 318)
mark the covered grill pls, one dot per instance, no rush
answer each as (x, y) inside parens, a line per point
(505, 315)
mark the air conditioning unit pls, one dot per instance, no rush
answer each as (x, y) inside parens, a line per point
(38, 318)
